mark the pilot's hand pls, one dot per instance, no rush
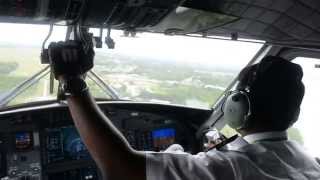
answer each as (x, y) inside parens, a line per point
(175, 148)
(69, 59)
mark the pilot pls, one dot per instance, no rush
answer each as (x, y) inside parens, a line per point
(263, 106)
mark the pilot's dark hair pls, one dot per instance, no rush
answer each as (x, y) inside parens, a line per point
(276, 90)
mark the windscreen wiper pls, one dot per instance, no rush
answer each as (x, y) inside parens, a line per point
(105, 87)
(23, 86)
(5, 100)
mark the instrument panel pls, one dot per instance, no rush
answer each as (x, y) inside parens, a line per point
(44, 144)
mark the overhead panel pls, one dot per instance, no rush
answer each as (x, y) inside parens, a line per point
(293, 22)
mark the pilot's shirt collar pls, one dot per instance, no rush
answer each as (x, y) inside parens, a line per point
(266, 136)
(242, 142)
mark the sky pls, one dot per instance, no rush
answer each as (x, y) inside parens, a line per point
(197, 50)
(192, 50)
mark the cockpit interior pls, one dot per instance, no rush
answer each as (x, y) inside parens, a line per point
(162, 68)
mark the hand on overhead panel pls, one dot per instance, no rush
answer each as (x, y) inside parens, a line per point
(70, 59)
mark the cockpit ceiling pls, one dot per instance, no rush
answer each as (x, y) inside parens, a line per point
(285, 22)
(290, 22)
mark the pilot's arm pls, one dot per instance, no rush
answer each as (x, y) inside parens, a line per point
(110, 150)
(112, 153)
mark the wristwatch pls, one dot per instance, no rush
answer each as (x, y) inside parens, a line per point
(73, 86)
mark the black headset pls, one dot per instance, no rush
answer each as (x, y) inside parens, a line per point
(237, 107)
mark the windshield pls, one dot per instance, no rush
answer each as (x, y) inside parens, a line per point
(148, 67)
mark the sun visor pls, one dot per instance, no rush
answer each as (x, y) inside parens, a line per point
(129, 14)
(186, 20)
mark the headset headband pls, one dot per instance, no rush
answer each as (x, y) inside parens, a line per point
(252, 73)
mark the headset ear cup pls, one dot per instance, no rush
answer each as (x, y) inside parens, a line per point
(236, 110)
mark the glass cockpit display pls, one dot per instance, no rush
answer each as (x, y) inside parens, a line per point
(163, 138)
(65, 144)
(23, 141)
(74, 148)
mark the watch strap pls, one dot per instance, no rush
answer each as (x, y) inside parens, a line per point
(72, 86)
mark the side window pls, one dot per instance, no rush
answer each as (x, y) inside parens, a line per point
(306, 130)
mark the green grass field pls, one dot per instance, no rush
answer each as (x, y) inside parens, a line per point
(17, 65)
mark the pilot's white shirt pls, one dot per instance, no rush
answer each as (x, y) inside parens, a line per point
(261, 156)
